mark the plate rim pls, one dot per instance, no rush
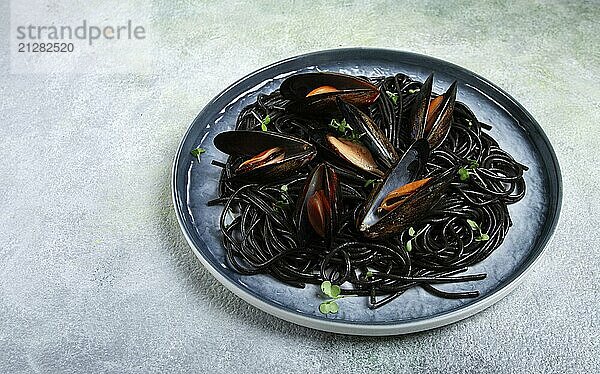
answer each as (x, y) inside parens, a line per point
(359, 328)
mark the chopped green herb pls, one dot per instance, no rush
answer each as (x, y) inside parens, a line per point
(197, 152)
(369, 274)
(413, 234)
(473, 224)
(475, 227)
(463, 172)
(369, 182)
(414, 90)
(285, 201)
(353, 136)
(473, 164)
(482, 238)
(340, 126)
(265, 122)
(393, 97)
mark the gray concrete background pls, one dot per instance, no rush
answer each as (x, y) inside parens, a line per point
(95, 275)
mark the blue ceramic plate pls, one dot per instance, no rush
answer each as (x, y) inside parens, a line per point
(534, 218)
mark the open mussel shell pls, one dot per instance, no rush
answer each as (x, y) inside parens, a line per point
(318, 206)
(372, 154)
(268, 155)
(431, 118)
(375, 222)
(411, 210)
(372, 136)
(353, 90)
(353, 154)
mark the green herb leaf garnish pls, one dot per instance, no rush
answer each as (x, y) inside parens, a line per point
(414, 90)
(463, 174)
(333, 307)
(413, 234)
(345, 130)
(265, 122)
(329, 307)
(393, 96)
(475, 227)
(353, 136)
(197, 152)
(340, 126)
(411, 231)
(482, 238)
(334, 292)
(285, 201)
(281, 204)
(473, 164)
(473, 224)
(369, 182)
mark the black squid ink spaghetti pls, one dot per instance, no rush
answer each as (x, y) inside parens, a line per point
(365, 186)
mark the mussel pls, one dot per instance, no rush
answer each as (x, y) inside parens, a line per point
(401, 200)
(431, 118)
(372, 152)
(354, 153)
(318, 205)
(371, 134)
(317, 92)
(269, 155)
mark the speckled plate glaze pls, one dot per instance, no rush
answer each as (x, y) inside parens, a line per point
(534, 218)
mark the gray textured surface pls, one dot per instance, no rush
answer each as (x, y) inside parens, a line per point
(95, 275)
